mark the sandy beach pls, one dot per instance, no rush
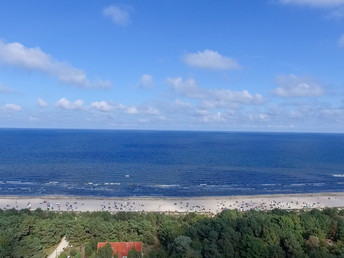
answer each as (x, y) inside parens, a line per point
(156, 204)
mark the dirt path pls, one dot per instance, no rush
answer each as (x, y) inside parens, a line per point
(63, 244)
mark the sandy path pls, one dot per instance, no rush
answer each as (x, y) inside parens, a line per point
(63, 244)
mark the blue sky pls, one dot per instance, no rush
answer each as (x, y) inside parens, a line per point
(239, 65)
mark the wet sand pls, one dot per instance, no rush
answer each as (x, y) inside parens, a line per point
(178, 205)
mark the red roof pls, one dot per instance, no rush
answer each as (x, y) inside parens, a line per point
(122, 247)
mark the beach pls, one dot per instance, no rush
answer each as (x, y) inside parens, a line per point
(212, 205)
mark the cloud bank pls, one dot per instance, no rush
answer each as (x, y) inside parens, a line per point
(213, 98)
(293, 86)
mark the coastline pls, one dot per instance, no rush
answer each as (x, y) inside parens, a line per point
(207, 204)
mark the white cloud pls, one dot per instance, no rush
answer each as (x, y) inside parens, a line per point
(211, 118)
(32, 118)
(223, 97)
(69, 105)
(41, 102)
(212, 60)
(337, 14)
(293, 86)
(103, 106)
(5, 89)
(131, 110)
(150, 111)
(13, 107)
(120, 15)
(110, 107)
(314, 3)
(340, 41)
(181, 105)
(212, 98)
(140, 111)
(187, 88)
(146, 81)
(259, 117)
(34, 59)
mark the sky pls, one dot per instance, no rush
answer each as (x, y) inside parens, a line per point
(231, 65)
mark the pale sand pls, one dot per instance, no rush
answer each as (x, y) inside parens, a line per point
(157, 204)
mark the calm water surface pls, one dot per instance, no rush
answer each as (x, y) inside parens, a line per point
(164, 163)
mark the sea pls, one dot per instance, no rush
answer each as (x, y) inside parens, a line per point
(128, 163)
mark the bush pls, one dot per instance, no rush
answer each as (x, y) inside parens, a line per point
(63, 255)
(73, 252)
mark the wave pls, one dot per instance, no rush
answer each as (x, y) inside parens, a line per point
(166, 186)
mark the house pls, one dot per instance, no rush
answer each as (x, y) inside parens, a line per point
(122, 248)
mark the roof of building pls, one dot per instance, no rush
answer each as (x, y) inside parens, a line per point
(122, 248)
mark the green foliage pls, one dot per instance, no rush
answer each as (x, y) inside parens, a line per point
(181, 244)
(134, 254)
(88, 249)
(276, 233)
(63, 255)
(105, 252)
(73, 252)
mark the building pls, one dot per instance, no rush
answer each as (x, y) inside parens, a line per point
(122, 248)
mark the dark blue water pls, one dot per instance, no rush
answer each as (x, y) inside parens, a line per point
(162, 163)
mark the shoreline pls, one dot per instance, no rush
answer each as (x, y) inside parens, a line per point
(207, 204)
(59, 196)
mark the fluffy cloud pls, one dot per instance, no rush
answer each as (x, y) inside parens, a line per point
(146, 81)
(34, 59)
(103, 106)
(293, 86)
(13, 107)
(139, 111)
(340, 41)
(212, 60)
(213, 98)
(314, 3)
(181, 105)
(120, 15)
(222, 98)
(41, 102)
(5, 89)
(187, 88)
(69, 105)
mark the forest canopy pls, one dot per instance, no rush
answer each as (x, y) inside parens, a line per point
(276, 233)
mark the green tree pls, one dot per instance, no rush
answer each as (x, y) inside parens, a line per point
(73, 252)
(105, 252)
(88, 249)
(134, 254)
(181, 244)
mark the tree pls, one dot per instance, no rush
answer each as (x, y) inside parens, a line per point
(134, 254)
(105, 252)
(181, 244)
(88, 249)
(73, 252)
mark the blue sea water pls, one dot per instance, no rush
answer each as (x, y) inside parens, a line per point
(168, 163)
